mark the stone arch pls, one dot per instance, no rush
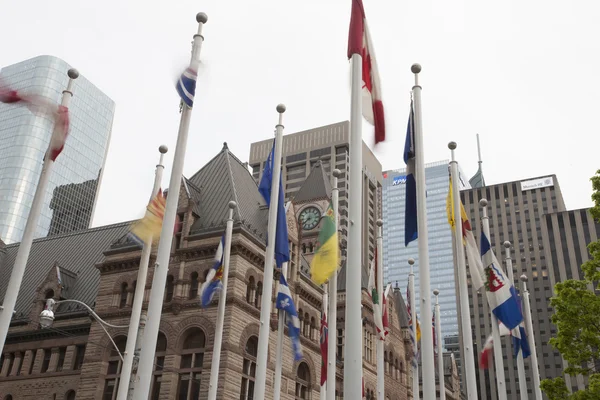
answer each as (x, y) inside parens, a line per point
(311, 368)
(251, 272)
(250, 330)
(194, 321)
(124, 278)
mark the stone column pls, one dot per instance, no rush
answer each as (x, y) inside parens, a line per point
(27, 362)
(70, 358)
(6, 364)
(37, 362)
(16, 368)
(53, 360)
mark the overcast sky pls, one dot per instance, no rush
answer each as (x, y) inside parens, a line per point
(524, 75)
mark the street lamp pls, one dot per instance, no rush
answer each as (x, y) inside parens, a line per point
(47, 318)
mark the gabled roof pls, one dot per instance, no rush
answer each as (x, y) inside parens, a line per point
(401, 308)
(341, 278)
(222, 179)
(76, 253)
(315, 187)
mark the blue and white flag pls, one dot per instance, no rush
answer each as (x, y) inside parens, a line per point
(286, 303)
(282, 246)
(214, 279)
(520, 342)
(500, 291)
(410, 216)
(186, 86)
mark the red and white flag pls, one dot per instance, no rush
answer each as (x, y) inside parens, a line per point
(359, 42)
(41, 106)
(486, 354)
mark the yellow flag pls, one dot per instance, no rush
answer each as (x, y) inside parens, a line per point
(151, 225)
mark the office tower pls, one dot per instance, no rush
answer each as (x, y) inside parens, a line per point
(396, 254)
(516, 213)
(329, 145)
(24, 138)
(566, 235)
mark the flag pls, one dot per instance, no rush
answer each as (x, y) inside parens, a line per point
(150, 226)
(324, 340)
(359, 42)
(326, 258)
(473, 256)
(501, 293)
(43, 107)
(486, 352)
(385, 317)
(282, 247)
(186, 86)
(410, 212)
(519, 338)
(435, 344)
(214, 278)
(286, 303)
(414, 340)
(372, 289)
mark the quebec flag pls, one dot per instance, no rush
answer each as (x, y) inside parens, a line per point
(286, 303)
(501, 294)
(214, 279)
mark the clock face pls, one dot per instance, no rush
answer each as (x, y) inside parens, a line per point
(309, 218)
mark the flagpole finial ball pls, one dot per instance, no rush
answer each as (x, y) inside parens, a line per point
(523, 278)
(415, 68)
(452, 145)
(201, 18)
(73, 73)
(507, 244)
(163, 149)
(379, 222)
(436, 292)
(232, 204)
(483, 203)
(280, 108)
(411, 261)
(337, 173)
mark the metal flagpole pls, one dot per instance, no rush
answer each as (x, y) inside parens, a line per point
(440, 355)
(267, 298)
(498, 361)
(18, 269)
(323, 392)
(136, 355)
(166, 237)
(413, 317)
(216, 359)
(428, 371)
(463, 288)
(379, 283)
(353, 328)
(520, 363)
(279, 346)
(531, 338)
(138, 296)
(332, 315)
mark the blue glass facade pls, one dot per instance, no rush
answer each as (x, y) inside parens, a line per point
(396, 255)
(24, 138)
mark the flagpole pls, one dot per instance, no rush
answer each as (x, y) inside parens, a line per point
(279, 348)
(424, 286)
(463, 288)
(531, 338)
(353, 325)
(267, 298)
(498, 361)
(332, 315)
(166, 236)
(520, 363)
(413, 317)
(138, 296)
(440, 355)
(323, 392)
(18, 269)
(379, 283)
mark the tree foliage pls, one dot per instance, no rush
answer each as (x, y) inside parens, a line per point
(591, 268)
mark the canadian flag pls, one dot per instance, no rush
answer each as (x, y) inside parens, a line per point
(359, 42)
(486, 353)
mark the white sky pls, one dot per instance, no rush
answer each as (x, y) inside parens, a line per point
(521, 74)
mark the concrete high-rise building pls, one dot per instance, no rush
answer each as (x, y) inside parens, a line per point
(396, 254)
(24, 138)
(517, 213)
(329, 145)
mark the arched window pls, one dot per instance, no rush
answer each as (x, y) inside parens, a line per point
(169, 288)
(159, 363)
(8, 397)
(310, 247)
(123, 296)
(313, 327)
(190, 369)
(250, 290)
(113, 370)
(193, 285)
(303, 248)
(303, 382)
(49, 295)
(249, 369)
(369, 394)
(70, 395)
(258, 297)
(306, 328)
(396, 370)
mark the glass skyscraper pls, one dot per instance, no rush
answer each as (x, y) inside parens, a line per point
(24, 138)
(396, 255)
